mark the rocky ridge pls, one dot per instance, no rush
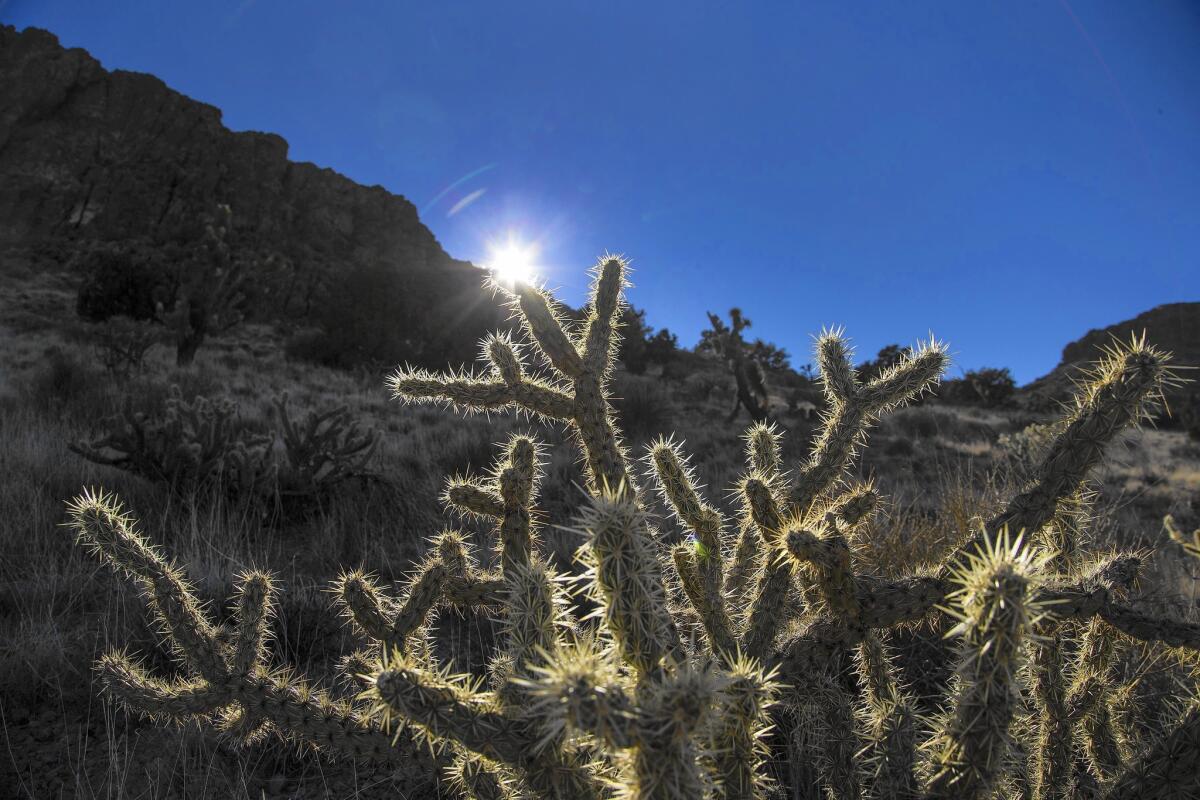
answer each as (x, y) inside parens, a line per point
(91, 156)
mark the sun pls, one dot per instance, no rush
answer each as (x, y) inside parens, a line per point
(512, 262)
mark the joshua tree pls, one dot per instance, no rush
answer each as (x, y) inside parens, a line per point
(747, 371)
(692, 652)
(209, 291)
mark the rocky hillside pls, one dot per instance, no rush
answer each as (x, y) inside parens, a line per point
(89, 156)
(1174, 327)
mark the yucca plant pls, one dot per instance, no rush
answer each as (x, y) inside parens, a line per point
(670, 684)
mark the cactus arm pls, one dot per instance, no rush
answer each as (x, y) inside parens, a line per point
(545, 400)
(1092, 666)
(737, 737)
(1126, 385)
(534, 622)
(763, 454)
(252, 612)
(628, 582)
(449, 709)
(706, 563)
(471, 498)
(600, 338)
(1168, 771)
(918, 371)
(100, 524)
(547, 329)
(505, 497)
(886, 603)
(1151, 628)
(516, 540)
(474, 592)
(365, 605)
(1054, 746)
(889, 722)
(837, 370)
(138, 691)
(716, 621)
(854, 407)
(996, 616)
(423, 594)
(766, 613)
(763, 460)
(296, 710)
(855, 506)
(744, 564)
(468, 392)
(829, 556)
(766, 609)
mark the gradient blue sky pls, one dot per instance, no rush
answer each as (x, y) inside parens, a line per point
(1004, 174)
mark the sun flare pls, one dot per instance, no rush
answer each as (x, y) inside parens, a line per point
(513, 262)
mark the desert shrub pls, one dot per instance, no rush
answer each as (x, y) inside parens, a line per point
(888, 357)
(121, 343)
(121, 281)
(666, 678)
(928, 422)
(683, 364)
(699, 386)
(641, 345)
(988, 387)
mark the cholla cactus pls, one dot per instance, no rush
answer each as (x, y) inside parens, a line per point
(657, 696)
(191, 445)
(327, 448)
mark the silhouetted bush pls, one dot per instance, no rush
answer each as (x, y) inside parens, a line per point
(121, 281)
(122, 343)
(989, 387)
(888, 357)
(641, 345)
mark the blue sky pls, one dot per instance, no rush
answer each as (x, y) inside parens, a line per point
(1006, 175)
